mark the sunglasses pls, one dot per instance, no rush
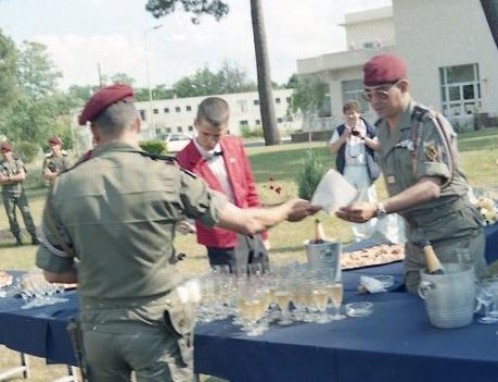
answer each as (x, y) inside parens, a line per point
(381, 92)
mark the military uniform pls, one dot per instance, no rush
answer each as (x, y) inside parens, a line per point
(13, 195)
(421, 146)
(115, 214)
(56, 164)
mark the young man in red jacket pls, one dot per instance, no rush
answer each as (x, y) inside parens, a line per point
(221, 160)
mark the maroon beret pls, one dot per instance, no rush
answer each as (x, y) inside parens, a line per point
(101, 100)
(384, 69)
(5, 147)
(55, 140)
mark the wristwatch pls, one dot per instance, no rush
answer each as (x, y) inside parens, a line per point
(381, 211)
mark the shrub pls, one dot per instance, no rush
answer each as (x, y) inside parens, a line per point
(247, 132)
(309, 177)
(27, 151)
(153, 146)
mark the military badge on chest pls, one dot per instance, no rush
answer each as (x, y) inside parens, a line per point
(431, 152)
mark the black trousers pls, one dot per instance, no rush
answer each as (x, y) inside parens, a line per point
(249, 250)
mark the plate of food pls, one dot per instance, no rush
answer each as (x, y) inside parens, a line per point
(373, 256)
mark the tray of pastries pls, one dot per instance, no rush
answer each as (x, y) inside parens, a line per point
(369, 257)
(5, 279)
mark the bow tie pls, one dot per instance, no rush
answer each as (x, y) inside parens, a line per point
(214, 155)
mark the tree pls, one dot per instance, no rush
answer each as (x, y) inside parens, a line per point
(122, 78)
(9, 91)
(490, 8)
(218, 9)
(308, 97)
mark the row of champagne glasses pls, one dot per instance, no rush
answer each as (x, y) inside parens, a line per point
(257, 296)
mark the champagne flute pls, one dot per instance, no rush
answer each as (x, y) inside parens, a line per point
(283, 297)
(336, 294)
(320, 298)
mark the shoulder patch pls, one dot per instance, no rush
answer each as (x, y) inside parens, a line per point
(189, 173)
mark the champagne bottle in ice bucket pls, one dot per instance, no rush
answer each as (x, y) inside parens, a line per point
(434, 266)
(319, 237)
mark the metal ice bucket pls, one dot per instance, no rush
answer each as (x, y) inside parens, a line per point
(325, 257)
(449, 297)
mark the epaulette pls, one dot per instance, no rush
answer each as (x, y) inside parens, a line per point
(165, 158)
(420, 112)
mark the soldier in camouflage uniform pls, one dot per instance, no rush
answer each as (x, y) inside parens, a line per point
(418, 156)
(12, 175)
(55, 162)
(109, 225)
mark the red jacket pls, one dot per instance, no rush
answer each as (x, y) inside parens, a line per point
(240, 175)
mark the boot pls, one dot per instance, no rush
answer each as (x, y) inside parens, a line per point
(18, 241)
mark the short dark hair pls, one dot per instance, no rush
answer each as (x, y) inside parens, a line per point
(351, 106)
(214, 110)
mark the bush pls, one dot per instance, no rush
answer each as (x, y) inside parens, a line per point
(27, 151)
(153, 146)
(247, 132)
(309, 177)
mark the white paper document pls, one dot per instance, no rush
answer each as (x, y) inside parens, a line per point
(333, 192)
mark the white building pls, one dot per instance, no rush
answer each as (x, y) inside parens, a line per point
(177, 115)
(448, 45)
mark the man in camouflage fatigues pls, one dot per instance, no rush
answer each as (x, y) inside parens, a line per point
(418, 156)
(55, 162)
(12, 175)
(109, 225)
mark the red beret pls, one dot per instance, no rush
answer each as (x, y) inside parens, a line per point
(102, 100)
(6, 147)
(55, 140)
(384, 69)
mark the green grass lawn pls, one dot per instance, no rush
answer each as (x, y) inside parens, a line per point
(478, 160)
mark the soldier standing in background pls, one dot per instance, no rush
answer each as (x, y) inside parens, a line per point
(12, 175)
(56, 161)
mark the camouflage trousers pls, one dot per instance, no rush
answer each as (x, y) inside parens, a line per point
(153, 337)
(10, 202)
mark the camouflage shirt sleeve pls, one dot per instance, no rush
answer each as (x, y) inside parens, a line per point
(55, 254)
(435, 156)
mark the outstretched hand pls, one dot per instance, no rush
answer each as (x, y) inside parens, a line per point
(300, 209)
(359, 212)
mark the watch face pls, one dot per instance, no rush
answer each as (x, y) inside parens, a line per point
(381, 214)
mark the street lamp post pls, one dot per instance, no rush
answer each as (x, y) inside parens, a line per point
(149, 86)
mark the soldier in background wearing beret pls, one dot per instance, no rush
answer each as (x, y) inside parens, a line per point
(12, 175)
(55, 162)
(418, 156)
(109, 225)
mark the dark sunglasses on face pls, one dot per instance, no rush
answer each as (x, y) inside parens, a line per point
(381, 92)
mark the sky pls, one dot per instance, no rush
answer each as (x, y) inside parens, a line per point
(120, 36)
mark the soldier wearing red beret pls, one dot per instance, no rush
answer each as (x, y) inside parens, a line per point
(55, 162)
(12, 176)
(116, 211)
(419, 160)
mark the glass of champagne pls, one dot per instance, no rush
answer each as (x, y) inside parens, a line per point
(336, 294)
(283, 298)
(320, 298)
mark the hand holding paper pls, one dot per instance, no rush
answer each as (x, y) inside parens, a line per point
(333, 192)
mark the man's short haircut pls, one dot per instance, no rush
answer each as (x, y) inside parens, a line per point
(117, 118)
(213, 110)
(351, 106)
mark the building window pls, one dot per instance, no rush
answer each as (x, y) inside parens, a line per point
(177, 109)
(142, 114)
(188, 108)
(352, 90)
(243, 123)
(168, 129)
(242, 106)
(257, 122)
(460, 89)
(277, 100)
(156, 111)
(191, 128)
(166, 110)
(256, 102)
(279, 120)
(179, 129)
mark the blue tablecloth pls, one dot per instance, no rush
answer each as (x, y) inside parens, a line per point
(396, 343)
